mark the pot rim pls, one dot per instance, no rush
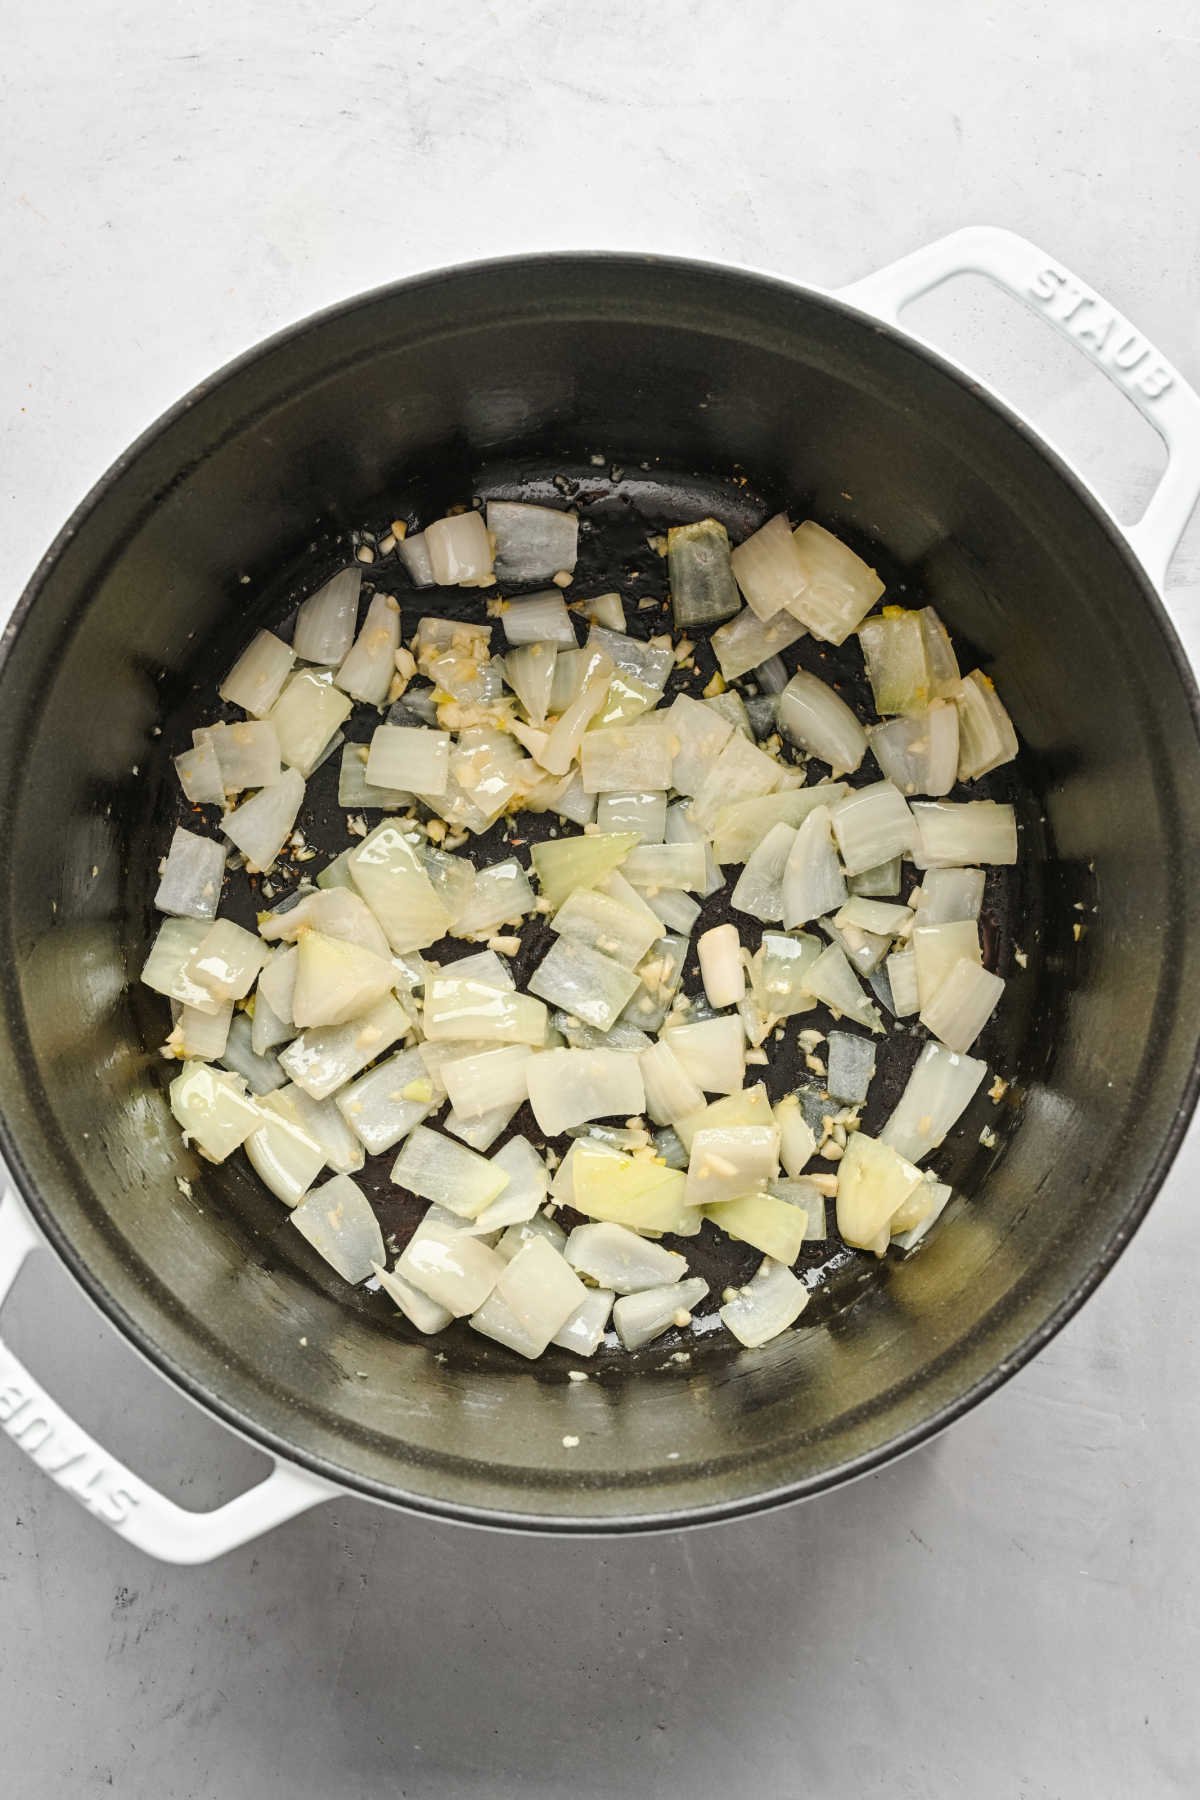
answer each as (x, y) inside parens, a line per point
(703, 1513)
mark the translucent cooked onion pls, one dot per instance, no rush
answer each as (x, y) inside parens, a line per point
(962, 1004)
(955, 832)
(247, 753)
(893, 647)
(529, 672)
(325, 623)
(306, 716)
(384, 1105)
(712, 1052)
(939, 1090)
(769, 567)
(355, 791)
(451, 1267)
(670, 1091)
(640, 1318)
(760, 1220)
(640, 810)
(457, 1008)
(539, 619)
(258, 675)
(388, 874)
(532, 1301)
(213, 1109)
(871, 825)
(949, 894)
(584, 982)
(832, 980)
(780, 970)
(874, 1181)
(460, 552)
(770, 1301)
(199, 774)
(322, 1060)
(699, 735)
(190, 887)
(919, 752)
(565, 864)
(850, 1067)
(614, 1257)
(937, 949)
(759, 888)
(369, 665)
(817, 719)
(532, 542)
(840, 589)
(728, 1161)
(703, 591)
(985, 732)
(282, 1153)
(746, 642)
(568, 1087)
(436, 1168)
(812, 884)
(336, 981)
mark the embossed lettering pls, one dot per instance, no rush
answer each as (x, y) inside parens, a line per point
(118, 1504)
(1128, 352)
(1154, 381)
(33, 1431)
(1075, 297)
(12, 1399)
(1095, 328)
(70, 1459)
(1045, 284)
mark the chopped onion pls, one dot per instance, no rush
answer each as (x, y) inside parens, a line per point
(199, 1035)
(517, 1236)
(614, 1257)
(700, 735)
(620, 757)
(323, 1059)
(851, 1067)
(748, 1106)
(681, 830)
(939, 655)
(604, 609)
(483, 965)
(601, 923)
(875, 916)
(721, 967)
(191, 881)
(767, 1224)
(305, 717)
(884, 878)
(769, 567)
(747, 642)
(247, 753)
(567, 732)
(647, 664)
(213, 1109)
(414, 554)
(864, 950)
(528, 1181)
(338, 913)
(480, 1132)
(436, 1056)
(227, 960)
(485, 1081)
(338, 1222)
(336, 981)
(417, 761)
(354, 790)
(817, 719)
(939, 1090)
(985, 732)
(261, 1073)
(832, 980)
(255, 680)
(337, 873)
(623, 1190)
(703, 590)
(451, 1267)
(902, 980)
(938, 948)
(871, 825)
(586, 1326)
(456, 658)
(948, 894)
(760, 887)
(436, 1168)
(325, 623)
(585, 1037)
(539, 619)
(277, 985)
(874, 1181)
(325, 1125)
(963, 1003)
(666, 866)
(739, 829)
(938, 1196)
(532, 542)
(640, 1318)
(741, 772)
(564, 864)
(812, 883)
(950, 833)
(282, 1153)
(732, 708)
(670, 1091)
(501, 895)
(388, 874)
(919, 752)
(167, 966)
(729, 1161)
(532, 1301)
(583, 982)
(417, 1307)
(460, 552)
(639, 810)
(471, 1009)
(529, 672)
(781, 966)
(797, 1140)
(712, 1052)
(568, 1087)
(199, 774)
(840, 589)
(369, 665)
(893, 647)
(384, 1105)
(771, 1300)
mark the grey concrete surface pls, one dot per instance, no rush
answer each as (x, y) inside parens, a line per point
(1012, 1612)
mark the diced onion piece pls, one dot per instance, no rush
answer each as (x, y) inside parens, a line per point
(640, 1318)
(939, 655)
(878, 916)
(282, 1152)
(356, 792)
(336, 981)
(840, 590)
(919, 752)
(624, 1190)
(747, 642)
(872, 824)
(893, 647)
(532, 1301)
(337, 1220)
(325, 1125)
(721, 967)
(436, 1168)
(456, 657)
(306, 715)
(200, 1036)
(624, 756)
(567, 732)
(564, 864)
(666, 866)
(864, 950)
(529, 672)
(712, 1052)
(338, 913)
(199, 774)
(962, 1004)
(851, 1067)
(167, 968)
(670, 1091)
(532, 542)
(436, 1056)
(388, 874)
(781, 966)
(902, 979)
(833, 981)
(703, 590)
(450, 1266)
(604, 609)
(617, 1258)
(410, 758)
(528, 1182)
(384, 1105)
(227, 960)
(583, 982)
(731, 707)
(213, 1109)
(759, 888)
(190, 887)
(323, 1059)
(797, 1140)
(884, 878)
(585, 1328)
(649, 664)
(639, 810)
(771, 1300)
(741, 772)
(247, 752)
(261, 1073)
(456, 1008)
(568, 1087)
(370, 663)
(812, 882)
(939, 1090)
(985, 732)
(539, 619)
(487, 1080)
(700, 735)
(481, 1131)
(729, 1161)
(501, 895)
(414, 554)
(769, 567)
(951, 833)
(874, 1181)
(770, 1225)
(937, 948)
(417, 1307)
(740, 829)
(938, 1197)
(817, 719)
(483, 965)
(255, 680)
(748, 1106)
(949, 894)
(337, 873)
(325, 623)
(680, 829)
(460, 553)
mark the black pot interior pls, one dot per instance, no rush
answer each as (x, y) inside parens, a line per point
(710, 391)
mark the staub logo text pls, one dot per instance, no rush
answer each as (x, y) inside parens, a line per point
(32, 1420)
(1109, 337)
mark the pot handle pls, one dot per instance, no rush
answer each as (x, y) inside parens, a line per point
(110, 1491)
(1142, 373)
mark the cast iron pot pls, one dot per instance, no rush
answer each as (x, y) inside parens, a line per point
(826, 404)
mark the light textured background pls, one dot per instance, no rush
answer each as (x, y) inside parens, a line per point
(1012, 1612)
